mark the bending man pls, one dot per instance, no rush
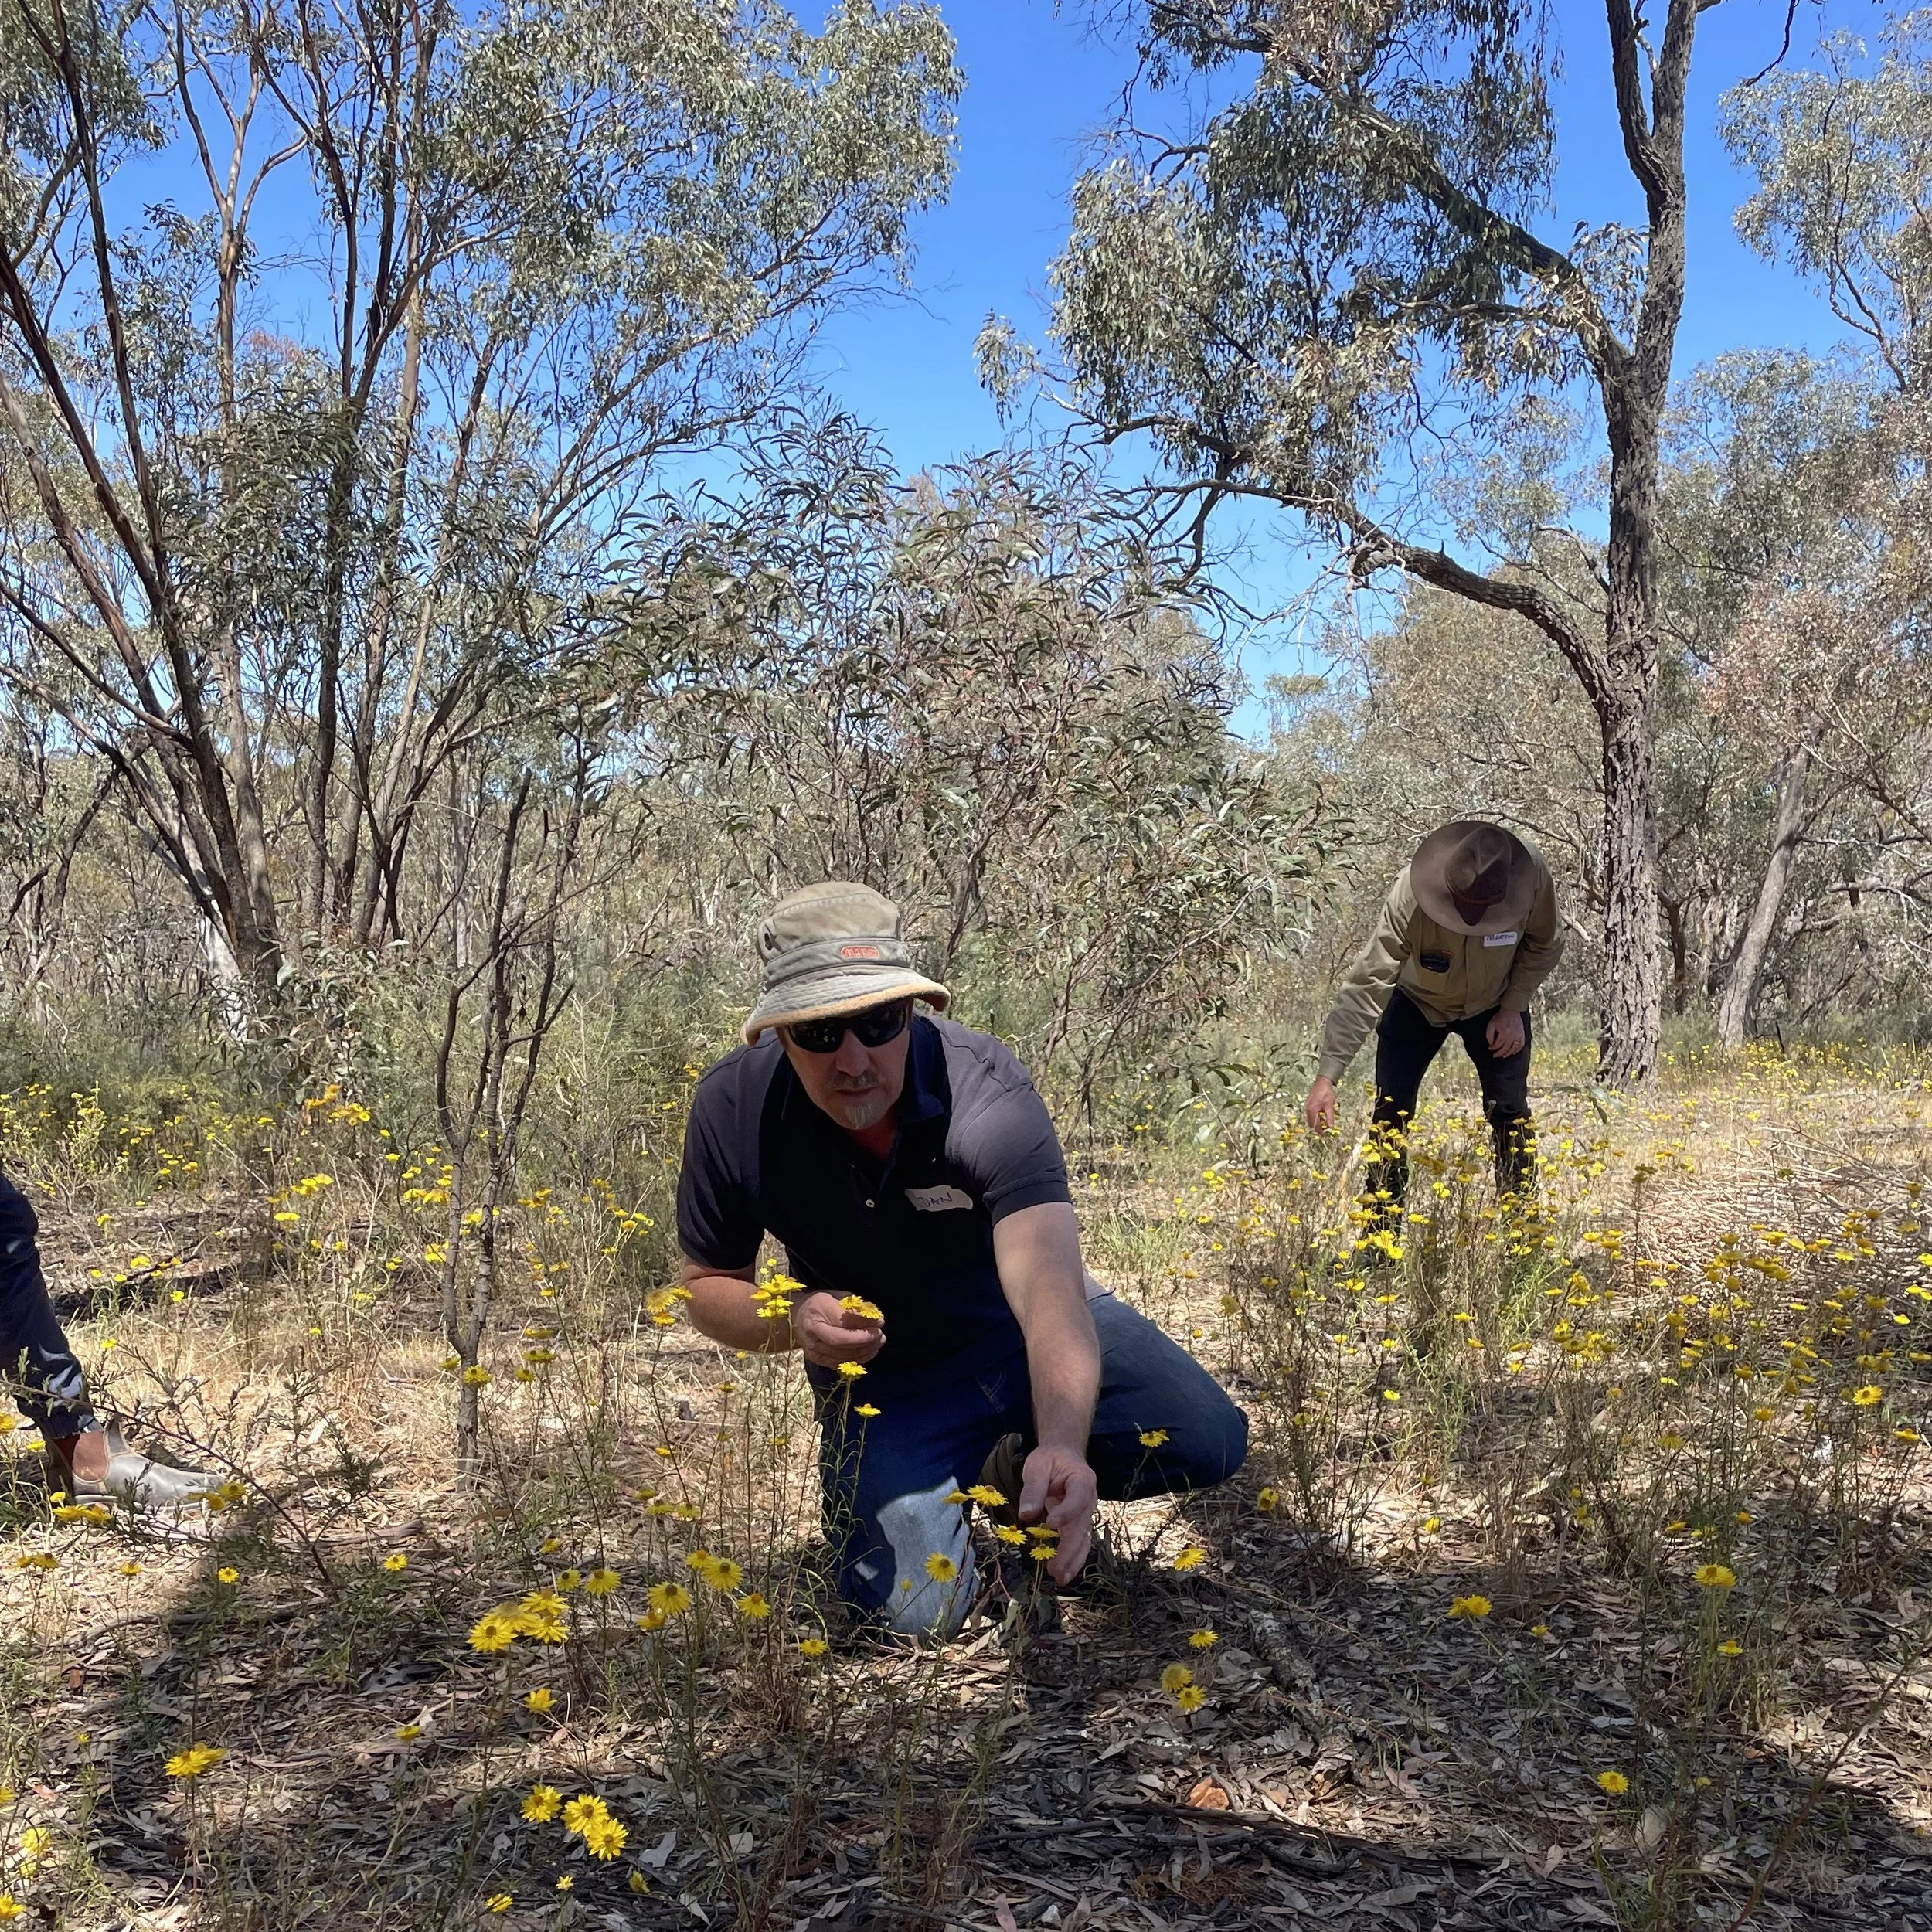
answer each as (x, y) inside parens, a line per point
(1468, 932)
(912, 1173)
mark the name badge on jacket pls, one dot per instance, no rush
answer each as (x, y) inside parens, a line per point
(1501, 939)
(938, 1200)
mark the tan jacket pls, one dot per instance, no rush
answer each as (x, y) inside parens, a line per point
(1451, 975)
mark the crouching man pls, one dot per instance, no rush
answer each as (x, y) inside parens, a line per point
(912, 1173)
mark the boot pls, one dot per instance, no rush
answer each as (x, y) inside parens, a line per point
(140, 1482)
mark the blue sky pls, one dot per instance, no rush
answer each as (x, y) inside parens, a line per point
(1039, 82)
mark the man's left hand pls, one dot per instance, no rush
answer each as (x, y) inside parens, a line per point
(1506, 1034)
(1057, 1484)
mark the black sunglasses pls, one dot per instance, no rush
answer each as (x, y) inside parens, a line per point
(874, 1026)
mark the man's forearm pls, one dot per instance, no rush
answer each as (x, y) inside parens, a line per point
(1038, 1252)
(1063, 1364)
(722, 1308)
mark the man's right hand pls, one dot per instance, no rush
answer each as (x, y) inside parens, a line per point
(829, 1334)
(1319, 1110)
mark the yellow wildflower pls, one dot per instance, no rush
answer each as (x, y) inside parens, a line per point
(1474, 1605)
(1267, 1501)
(1203, 1639)
(813, 1646)
(941, 1568)
(1190, 1697)
(1191, 1558)
(493, 1632)
(409, 1733)
(604, 1838)
(1152, 1438)
(194, 1760)
(601, 1581)
(540, 1803)
(1176, 1679)
(227, 1574)
(753, 1605)
(1614, 1782)
(1868, 1397)
(394, 1561)
(582, 1810)
(669, 1599)
(1714, 1576)
(852, 1371)
(541, 1700)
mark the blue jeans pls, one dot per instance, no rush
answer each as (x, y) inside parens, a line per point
(886, 1477)
(34, 1354)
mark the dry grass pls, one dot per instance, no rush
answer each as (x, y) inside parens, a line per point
(1360, 1757)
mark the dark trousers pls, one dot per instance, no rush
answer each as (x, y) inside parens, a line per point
(890, 1479)
(1406, 1044)
(34, 1354)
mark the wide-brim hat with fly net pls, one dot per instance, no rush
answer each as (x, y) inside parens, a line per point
(832, 948)
(1481, 863)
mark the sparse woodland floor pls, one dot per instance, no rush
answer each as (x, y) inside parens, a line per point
(1671, 1374)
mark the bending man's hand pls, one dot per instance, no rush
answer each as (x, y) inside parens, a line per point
(829, 1334)
(1319, 1110)
(1058, 1485)
(1506, 1034)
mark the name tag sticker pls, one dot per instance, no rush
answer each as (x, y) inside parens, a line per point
(1501, 939)
(938, 1200)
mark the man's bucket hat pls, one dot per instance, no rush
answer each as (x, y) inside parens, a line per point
(833, 948)
(1479, 862)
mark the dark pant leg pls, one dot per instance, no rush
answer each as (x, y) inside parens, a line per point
(1505, 1104)
(1406, 1044)
(888, 1481)
(33, 1352)
(1152, 1386)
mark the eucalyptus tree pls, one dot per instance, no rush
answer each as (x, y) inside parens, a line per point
(1788, 483)
(1325, 281)
(968, 689)
(1827, 660)
(1842, 153)
(341, 350)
